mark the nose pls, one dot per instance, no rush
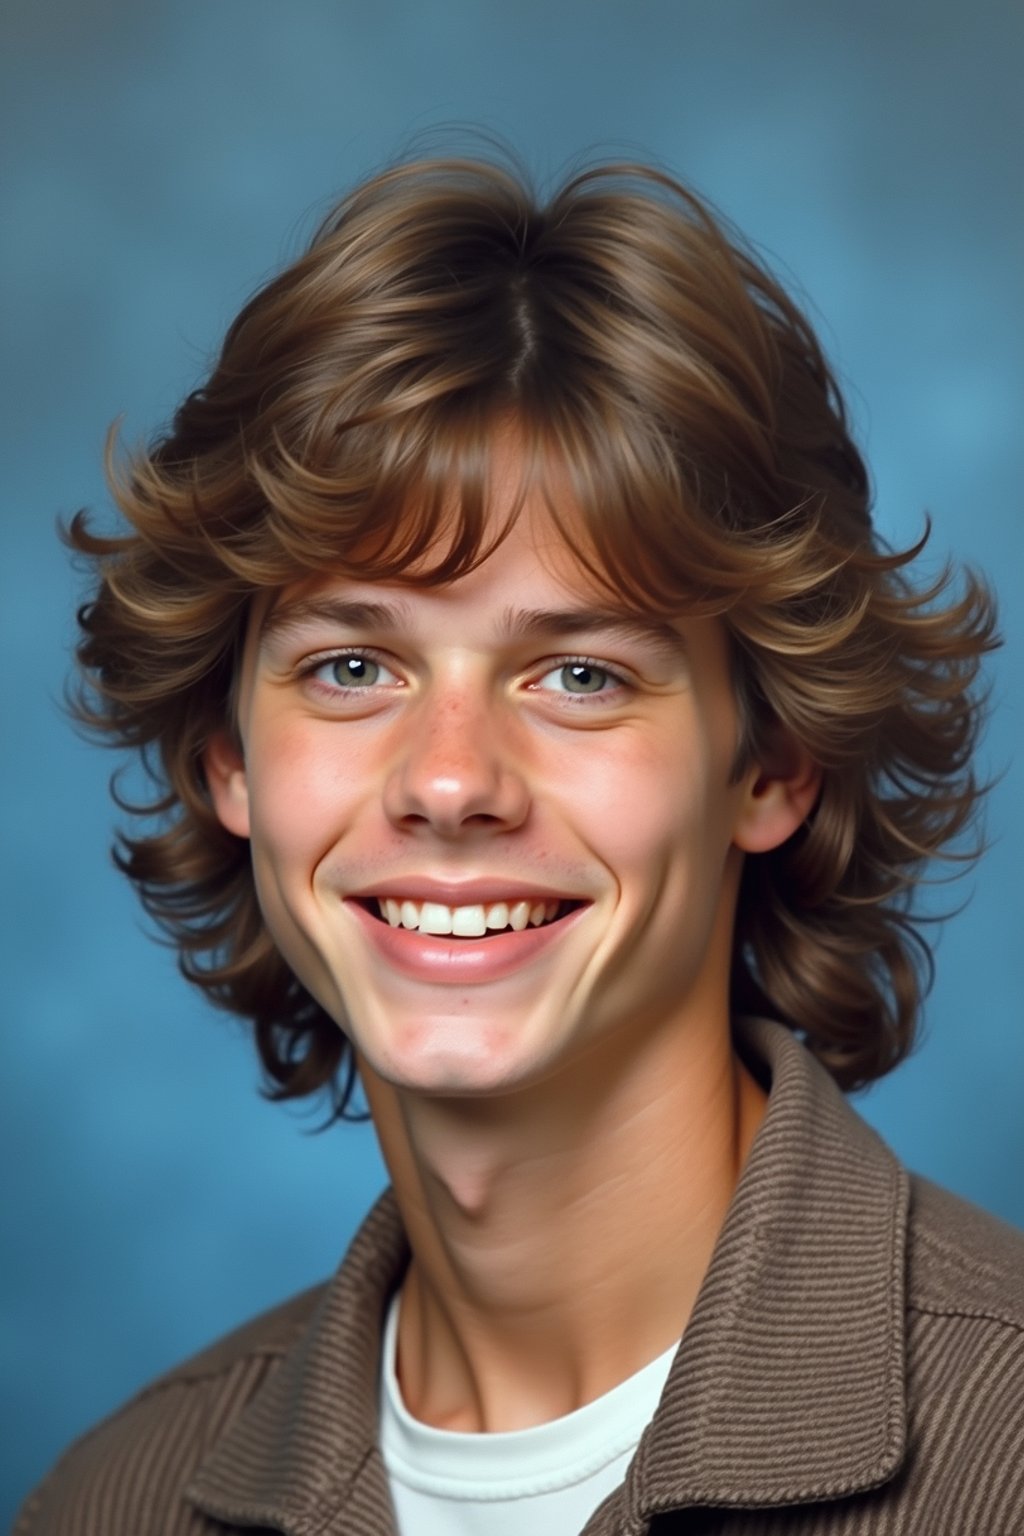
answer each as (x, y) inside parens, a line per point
(456, 773)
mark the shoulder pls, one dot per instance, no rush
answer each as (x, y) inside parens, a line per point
(963, 1262)
(965, 1352)
(136, 1463)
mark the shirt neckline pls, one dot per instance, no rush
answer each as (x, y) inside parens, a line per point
(512, 1463)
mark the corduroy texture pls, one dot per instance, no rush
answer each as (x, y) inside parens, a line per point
(854, 1365)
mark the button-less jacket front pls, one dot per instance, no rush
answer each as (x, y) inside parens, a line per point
(854, 1364)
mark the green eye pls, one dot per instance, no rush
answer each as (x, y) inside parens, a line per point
(351, 670)
(354, 671)
(579, 677)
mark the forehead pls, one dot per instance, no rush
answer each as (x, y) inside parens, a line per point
(532, 573)
(515, 502)
(519, 542)
(532, 584)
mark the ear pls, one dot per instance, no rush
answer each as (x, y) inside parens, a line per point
(224, 767)
(779, 795)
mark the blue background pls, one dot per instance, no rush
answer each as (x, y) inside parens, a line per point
(162, 159)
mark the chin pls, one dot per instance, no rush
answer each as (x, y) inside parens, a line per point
(428, 1060)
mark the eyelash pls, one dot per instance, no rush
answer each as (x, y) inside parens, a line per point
(615, 678)
(309, 669)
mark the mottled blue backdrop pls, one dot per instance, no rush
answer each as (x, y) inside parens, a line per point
(160, 159)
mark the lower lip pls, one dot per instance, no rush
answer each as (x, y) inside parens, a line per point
(462, 962)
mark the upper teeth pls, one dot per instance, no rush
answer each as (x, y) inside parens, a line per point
(466, 922)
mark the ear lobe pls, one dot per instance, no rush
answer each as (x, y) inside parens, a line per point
(224, 766)
(778, 799)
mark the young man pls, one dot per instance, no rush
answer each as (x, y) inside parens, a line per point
(548, 739)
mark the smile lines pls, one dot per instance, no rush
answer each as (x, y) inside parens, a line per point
(469, 922)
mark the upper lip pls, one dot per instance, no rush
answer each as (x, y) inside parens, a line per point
(462, 893)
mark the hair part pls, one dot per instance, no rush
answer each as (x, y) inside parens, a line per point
(653, 365)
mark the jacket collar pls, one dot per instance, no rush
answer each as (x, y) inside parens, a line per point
(306, 1444)
(788, 1385)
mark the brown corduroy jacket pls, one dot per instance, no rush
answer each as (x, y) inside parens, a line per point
(854, 1364)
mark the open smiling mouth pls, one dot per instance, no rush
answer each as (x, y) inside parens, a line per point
(478, 921)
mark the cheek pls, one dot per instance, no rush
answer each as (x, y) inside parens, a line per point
(301, 802)
(301, 790)
(648, 800)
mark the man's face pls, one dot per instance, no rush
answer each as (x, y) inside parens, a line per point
(507, 757)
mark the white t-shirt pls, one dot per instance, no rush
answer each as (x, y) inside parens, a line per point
(545, 1481)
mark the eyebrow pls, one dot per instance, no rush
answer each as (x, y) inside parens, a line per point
(657, 634)
(286, 617)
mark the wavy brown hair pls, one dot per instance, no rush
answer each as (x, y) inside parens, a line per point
(647, 353)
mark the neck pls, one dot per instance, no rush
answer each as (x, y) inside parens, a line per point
(560, 1233)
